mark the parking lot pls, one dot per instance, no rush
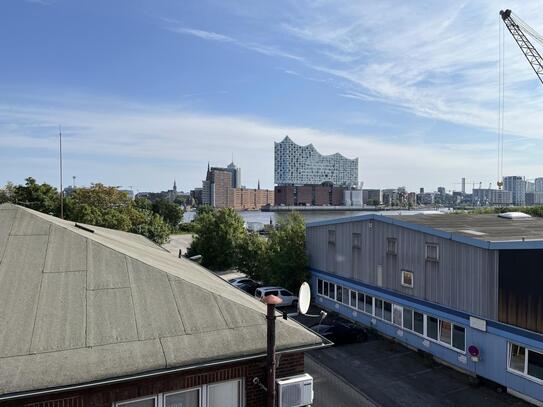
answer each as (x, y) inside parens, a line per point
(382, 373)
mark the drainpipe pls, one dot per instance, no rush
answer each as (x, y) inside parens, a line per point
(271, 301)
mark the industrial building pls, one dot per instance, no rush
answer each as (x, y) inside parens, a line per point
(304, 165)
(466, 289)
(102, 318)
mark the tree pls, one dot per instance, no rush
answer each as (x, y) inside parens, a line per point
(253, 256)
(40, 197)
(218, 234)
(171, 212)
(288, 260)
(6, 193)
(153, 227)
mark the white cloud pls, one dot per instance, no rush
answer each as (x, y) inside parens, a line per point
(148, 146)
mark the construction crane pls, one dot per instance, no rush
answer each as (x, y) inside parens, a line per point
(520, 32)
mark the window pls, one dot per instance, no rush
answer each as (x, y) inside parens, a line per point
(459, 338)
(397, 312)
(226, 394)
(319, 286)
(431, 327)
(143, 402)
(387, 311)
(353, 298)
(432, 251)
(526, 361)
(445, 332)
(392, 245)
(357, 240)
(517, 357)
(418, 322)
(339, 290)
(325, 289)
(332, 236)
(189, 398)
(408, 318)
(361, 301)
(332, 291)
(369, 304)
(345, 296)
(407, 278)
(378, 308)
(285, 293)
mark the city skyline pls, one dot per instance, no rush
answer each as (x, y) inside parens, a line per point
(162, 89)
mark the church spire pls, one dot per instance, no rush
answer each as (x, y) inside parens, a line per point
(174, 186)
(258, 184)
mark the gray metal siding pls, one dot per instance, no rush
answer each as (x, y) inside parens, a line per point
(465, 277)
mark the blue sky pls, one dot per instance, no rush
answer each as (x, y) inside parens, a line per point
(149, 91)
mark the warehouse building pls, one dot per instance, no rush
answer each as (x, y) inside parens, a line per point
(465, 288)
(101, 318)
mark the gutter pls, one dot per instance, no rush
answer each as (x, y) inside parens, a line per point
(154, 373)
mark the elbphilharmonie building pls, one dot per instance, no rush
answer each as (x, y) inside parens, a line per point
(304, 165)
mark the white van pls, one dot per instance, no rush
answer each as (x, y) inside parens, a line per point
(287, 297)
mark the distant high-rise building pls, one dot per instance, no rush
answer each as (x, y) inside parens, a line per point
(538, 184)
(215, 187)
(517, 185)
(236, 174)
(530, 186)
(492, 196)
(463, 185)
(304, 165)
(372, 196)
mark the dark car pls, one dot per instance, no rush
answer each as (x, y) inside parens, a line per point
(341, 332)
(249, 287)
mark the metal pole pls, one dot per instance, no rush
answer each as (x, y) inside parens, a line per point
(271, 301)
(60, 156)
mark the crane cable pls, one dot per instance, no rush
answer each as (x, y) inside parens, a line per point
(527, 29)
(501, 100)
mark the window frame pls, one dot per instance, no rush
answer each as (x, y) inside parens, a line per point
(428, 244)
(524, 373)
(395, 242)
(404, 273)
(241, 392)
(200, 394)
(356, 243)
(127, 402)
(332, 236)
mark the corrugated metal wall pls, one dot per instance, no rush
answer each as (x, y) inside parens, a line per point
(465, 277)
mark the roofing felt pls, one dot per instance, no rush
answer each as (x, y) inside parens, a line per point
(486, 230)
(78, 307)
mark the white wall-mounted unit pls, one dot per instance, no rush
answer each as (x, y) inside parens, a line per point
(295, 391)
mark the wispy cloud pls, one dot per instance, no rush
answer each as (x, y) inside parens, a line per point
(40, 2)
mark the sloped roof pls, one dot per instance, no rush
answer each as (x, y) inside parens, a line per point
(78, 307)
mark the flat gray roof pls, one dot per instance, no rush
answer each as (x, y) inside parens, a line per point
(78, 307)
(487, 231)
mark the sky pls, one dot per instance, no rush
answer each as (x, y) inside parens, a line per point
(151, 91)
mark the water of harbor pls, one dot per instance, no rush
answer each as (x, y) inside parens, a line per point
(309, 216)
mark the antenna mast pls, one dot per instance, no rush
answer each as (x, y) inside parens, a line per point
(61, 194)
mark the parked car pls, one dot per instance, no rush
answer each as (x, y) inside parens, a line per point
(240, 280)
(249, 287)
(341, 332)
(287, 297)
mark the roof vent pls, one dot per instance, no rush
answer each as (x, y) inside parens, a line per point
(514, 215)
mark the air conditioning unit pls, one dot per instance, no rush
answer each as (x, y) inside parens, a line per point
(295, 391)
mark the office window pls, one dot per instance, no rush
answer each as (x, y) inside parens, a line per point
(353, 298)
(387, 311)
(325, 289)
(418, 322)
(397, 312)
(408, 318)
(142, 402)
(345, 296)
(432, 251)
(339, 292)
(445, 332)
(459, 338)
(189, 398)
(407, 278)
(332, 291)
(369, 304)
(332, 236)
(225, 394)
(378, 308)
(535, 364)
(357, 240)
(392, 245)
(431, 327)
(361, 301)
(319, 286)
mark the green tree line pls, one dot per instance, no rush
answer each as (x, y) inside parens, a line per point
(100, 205)
(278, 259)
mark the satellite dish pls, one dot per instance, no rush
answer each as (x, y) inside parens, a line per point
(304, 298)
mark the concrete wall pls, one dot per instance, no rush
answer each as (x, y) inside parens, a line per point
(465, 277)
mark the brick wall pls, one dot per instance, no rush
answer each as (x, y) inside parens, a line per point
(105, 396)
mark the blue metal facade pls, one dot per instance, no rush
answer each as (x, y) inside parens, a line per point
(492, 343)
